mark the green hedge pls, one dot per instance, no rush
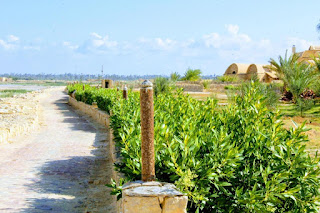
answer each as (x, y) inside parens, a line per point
(233, 159)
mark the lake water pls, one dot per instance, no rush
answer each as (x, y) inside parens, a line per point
(25, 87)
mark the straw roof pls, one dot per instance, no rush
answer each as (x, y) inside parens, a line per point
(272, 74)
(308, 55)
(256, 69)
(314, 48)
(237, 68)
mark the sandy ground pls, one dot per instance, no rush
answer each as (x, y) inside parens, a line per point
(62, 167)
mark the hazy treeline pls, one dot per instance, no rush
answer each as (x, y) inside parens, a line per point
(71, 77)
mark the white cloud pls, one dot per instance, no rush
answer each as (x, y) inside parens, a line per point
(69, 45)
(7, 45)
(188, 43)
(301, 44)
(96, 44)
(212, 39)
(100, 41)
(30, 47)
(12, 38)
(229, 41)
(158, 43)
(233, 29)
(96, 35)
(10, 43)
(13, 43)
(165, 43)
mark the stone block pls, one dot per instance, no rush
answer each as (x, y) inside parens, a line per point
(152, 196)
(134, 204)
(175, 204)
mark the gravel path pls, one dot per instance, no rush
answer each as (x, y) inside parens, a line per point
(62, 167)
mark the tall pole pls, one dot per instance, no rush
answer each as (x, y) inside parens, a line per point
(102, 72)
(147, 132)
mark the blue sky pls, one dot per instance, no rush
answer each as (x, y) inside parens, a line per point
(150, 37)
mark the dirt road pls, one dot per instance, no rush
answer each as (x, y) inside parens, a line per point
(62, 167)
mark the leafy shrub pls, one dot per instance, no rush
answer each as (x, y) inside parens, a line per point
(206, 84)
(268, 92)
(227, 78)
(175, 76)
(303, 105)
(162, 85)
(233, 159)
(229, 87)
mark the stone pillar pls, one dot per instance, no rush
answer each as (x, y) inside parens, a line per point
(148, 196)
(147, 132)
(155, 197)
(125, 93)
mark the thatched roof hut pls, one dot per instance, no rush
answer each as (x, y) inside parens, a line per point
(314, 48)
(237, 69)
(246, 72)
(308, 55)
(256, 69)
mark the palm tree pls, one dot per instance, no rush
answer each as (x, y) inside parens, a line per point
(175, 76)
(283, 65)
(316, 61)
(299, 77)
(192, 75)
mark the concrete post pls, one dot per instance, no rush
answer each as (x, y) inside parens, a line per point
(125, 93)
(147, 132)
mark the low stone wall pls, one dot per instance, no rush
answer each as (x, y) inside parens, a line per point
(19, 115)
(103, 118)
(100, 117)
(190, 87)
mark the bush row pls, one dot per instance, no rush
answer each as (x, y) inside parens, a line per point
(238, 158)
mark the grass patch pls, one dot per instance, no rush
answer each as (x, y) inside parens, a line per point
(312, 123)
(312, 119)
(290, 110)
(11, 92)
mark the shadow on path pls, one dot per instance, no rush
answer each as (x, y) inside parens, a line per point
(75, 184)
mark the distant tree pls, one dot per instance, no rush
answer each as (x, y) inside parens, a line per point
(192, 75)
(175, 76)
(162, 85)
